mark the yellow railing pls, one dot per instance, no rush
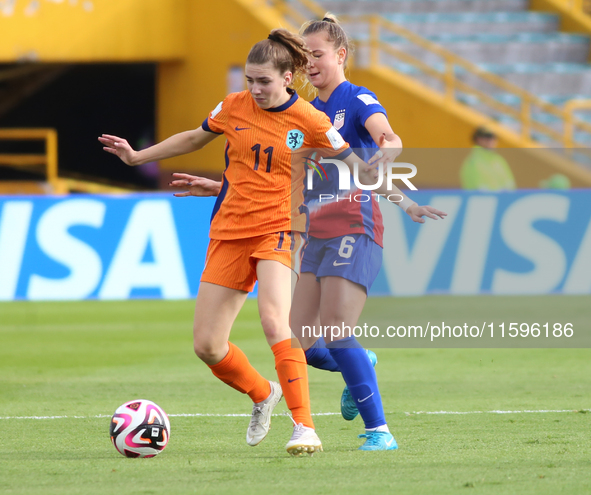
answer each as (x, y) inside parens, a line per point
(569, 108)
(377, 26)
(68, 185)
(47, 160)
(452, 83)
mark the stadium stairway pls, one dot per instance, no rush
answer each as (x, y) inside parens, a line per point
(500, 37)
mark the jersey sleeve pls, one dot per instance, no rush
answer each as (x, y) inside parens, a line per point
(218, 118)
(326, 137)
(366, 104)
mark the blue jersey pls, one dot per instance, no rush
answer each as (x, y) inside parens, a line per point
(348, 211)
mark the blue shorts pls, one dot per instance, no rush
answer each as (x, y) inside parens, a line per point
(354, 257)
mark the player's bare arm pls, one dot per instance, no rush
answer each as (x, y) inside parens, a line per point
(179, 144)
(385, 138)
(414, 211)
(197, 186)
(366, 174)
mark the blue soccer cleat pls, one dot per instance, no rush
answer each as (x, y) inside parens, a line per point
(349, 409)
(378, 440)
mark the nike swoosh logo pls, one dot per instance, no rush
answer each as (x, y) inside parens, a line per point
(363, 400)
(339, 264)
(242, 128)
(290, 380)
(390, 442)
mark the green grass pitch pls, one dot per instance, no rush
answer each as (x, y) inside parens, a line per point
(82, 360)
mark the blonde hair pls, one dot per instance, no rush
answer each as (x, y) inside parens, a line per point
(334, 32)
(285, 50)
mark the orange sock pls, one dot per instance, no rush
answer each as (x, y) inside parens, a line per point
(292, 371)
(236, 371)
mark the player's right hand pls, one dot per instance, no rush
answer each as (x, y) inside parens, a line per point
(417, 213)
(120, 147)
(197, 186)
(387, 153)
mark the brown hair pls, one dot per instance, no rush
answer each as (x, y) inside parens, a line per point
(334, 32)
(285, 50)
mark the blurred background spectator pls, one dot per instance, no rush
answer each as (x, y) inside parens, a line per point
(485, 169)
(556, 181)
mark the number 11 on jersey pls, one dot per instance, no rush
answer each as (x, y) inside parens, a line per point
(257, 155)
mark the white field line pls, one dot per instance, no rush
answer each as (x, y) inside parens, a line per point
(186, 415)
(244, 415)
(526, 411)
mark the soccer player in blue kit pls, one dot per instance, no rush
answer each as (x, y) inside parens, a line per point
(344, 252)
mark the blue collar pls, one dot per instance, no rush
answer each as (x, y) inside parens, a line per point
(287, 104)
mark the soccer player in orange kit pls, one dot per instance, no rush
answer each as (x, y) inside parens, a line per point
(258, 226)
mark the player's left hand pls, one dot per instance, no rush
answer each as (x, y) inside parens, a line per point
(197, 186)
(417, 213)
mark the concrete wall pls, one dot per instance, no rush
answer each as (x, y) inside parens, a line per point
(93, 30)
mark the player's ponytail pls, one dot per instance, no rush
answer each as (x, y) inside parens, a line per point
(285, 50)
(334, 32)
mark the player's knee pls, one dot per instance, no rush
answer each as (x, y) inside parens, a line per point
(273, 327)
(206, 351)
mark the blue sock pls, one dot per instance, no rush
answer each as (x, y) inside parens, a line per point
(360, 377)
(319, 357)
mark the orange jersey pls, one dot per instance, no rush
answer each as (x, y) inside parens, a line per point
(263, 184)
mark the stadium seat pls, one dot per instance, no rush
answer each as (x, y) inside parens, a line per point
(423, 6)
(500, 36)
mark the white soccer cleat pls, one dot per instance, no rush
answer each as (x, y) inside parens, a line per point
(260, 421)
(303, 440)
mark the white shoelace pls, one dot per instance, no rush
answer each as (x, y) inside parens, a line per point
(257, 411)
(286, 413)
(298, 428)
(298, 431)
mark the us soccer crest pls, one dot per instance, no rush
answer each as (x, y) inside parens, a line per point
(295, 139)
(339, 119)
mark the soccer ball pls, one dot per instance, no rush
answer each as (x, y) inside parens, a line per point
(139, 428)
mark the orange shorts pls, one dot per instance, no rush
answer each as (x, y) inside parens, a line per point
(232, 263)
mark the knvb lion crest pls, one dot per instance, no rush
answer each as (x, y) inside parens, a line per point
(295, 139)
